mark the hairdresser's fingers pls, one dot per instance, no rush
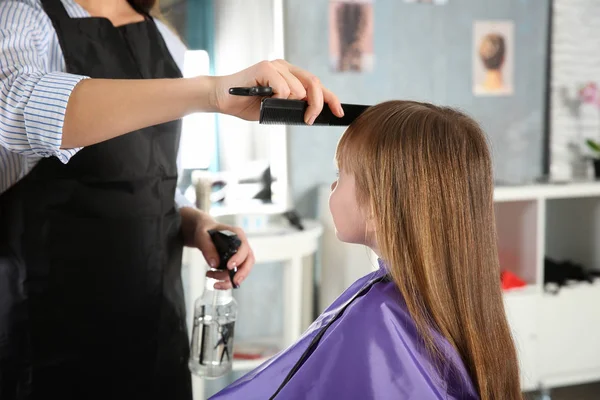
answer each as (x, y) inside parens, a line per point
(207, 247)
(333, 102)
(218, 275)
(239, 277)
(223, 285)
(297, 90)
(315, 93)
(206, 243)
(314, 96)
(311, 82)
(242, 260)
(244, 269)
(243, 252)
(269, 75)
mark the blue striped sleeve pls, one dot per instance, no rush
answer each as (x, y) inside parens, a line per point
(33, 97)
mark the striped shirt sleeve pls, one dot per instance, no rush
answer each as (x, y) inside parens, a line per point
(33, 97)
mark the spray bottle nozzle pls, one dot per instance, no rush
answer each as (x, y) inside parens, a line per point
(227, 244)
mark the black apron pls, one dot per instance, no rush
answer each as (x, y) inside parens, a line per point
(91, 300)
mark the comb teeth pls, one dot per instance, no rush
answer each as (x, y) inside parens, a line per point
(291, 112)
(279, 111)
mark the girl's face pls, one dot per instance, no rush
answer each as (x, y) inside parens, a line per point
(348, 217)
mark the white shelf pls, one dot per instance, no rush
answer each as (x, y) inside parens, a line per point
(547, 191)
(246, 365)
(555, 334)
(521, 307)
(569, 324)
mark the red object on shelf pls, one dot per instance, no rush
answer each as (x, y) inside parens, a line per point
(253, 351)
(511, 281)
(246, 356)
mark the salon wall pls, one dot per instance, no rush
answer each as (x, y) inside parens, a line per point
(424, 52)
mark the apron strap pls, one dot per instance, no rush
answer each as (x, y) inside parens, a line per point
(315, 342)
(55, 9)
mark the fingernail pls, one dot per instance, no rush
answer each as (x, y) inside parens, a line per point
(311, 120)
(213, 263)
(341, 110)
(233, 265)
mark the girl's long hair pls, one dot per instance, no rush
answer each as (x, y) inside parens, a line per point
(425, 173)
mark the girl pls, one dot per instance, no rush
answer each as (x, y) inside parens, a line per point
(415, 185)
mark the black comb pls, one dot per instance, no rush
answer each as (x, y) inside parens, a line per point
(251, 91)
(291, 112)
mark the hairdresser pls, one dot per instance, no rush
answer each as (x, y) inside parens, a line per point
(91, 233)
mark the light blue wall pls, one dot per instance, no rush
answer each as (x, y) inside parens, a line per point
(423, 52)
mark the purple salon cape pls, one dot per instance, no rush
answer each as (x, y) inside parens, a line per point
(371, 351)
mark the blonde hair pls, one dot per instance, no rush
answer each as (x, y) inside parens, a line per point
(425, 173)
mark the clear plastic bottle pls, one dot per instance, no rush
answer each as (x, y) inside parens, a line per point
(215, 314)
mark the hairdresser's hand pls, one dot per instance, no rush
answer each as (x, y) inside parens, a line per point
(287, 81)
(195, 225)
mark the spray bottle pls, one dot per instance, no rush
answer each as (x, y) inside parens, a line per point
(215, 313)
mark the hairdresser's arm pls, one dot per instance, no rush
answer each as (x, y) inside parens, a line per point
(101, 109)
(45, 113)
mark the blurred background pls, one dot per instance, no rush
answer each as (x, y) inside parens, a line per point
(527, 70)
